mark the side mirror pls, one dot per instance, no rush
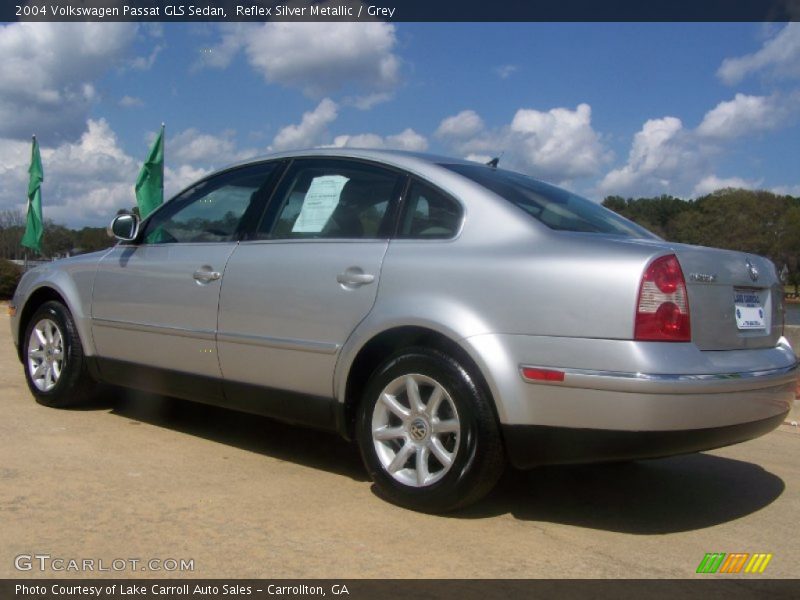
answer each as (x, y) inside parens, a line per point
(125, 227)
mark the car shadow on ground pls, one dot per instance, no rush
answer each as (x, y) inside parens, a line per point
(315, 449)
(669, 495)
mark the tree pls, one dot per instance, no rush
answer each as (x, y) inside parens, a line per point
(791, 245)
(760, 222)
(9, 278)
(654, 214)
(58, 240)
(91, 239)
(12, 226)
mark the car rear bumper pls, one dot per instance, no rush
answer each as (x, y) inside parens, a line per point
(657, 415)
(624, 400)
(636, 402)
(533, 445)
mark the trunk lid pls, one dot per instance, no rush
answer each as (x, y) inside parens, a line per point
(735, 298)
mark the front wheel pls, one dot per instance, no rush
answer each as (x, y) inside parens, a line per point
(55, 367)
(427, 433)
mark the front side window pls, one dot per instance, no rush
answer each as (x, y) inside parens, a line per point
(332, 199)
(558, 209)
(429, 214)
(211, 211)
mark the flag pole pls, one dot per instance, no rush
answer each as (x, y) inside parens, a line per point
(33, 138)
(25, 266)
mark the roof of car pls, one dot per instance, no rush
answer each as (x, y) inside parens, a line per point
(399, 158)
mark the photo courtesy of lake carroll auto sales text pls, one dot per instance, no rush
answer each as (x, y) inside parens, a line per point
(376, 299)
(176, 589)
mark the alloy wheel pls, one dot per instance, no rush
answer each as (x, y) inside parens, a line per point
(45, 355)
(415, 430)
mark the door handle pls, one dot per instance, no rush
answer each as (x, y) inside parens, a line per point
(206, 275)
(354, 277)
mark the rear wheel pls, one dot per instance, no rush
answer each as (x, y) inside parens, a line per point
(428, 434)
(55, 367)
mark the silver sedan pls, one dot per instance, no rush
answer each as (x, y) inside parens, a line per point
(449, 316)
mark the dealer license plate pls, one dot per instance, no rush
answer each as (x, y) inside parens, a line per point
(749, 309)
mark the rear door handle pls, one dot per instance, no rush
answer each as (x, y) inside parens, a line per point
(206, 275)
(354, 277)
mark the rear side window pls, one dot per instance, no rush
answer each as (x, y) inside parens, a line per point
(558, 209)
(332, 199)
(429, 214)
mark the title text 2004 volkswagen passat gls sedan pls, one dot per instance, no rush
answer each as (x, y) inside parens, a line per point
(445, 314)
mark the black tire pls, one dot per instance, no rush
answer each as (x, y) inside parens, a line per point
(74, 384)
(479, 460)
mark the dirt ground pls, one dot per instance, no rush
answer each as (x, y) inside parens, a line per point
(146, 477)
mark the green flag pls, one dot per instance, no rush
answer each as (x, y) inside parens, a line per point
(34, 228)
(150, 183)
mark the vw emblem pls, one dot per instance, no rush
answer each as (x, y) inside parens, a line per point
(418, 430)
(752, 270)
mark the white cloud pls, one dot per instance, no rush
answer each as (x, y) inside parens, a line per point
(407, 139)
(145, 63)
(232, 40)
(312, 129)
(667, 158)
(662, 153)
(97, 155)
(479, 158)
(787, 190)
(741, 116)
(712, 183)
(368, 101)
(557, 145)
(560, 141)
(465, 124)
(194, 147)
(175, 180)
(317, 58)
(779, 56)
(130, 102)
(47, 70)
(505, 71)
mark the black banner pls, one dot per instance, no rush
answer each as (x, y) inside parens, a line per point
(418, 589)
(401, 10)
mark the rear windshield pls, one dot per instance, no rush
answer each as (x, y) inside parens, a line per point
(558, 209)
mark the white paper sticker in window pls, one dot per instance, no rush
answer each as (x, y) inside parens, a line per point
(321, 200)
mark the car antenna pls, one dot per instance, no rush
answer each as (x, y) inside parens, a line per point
(495, 161)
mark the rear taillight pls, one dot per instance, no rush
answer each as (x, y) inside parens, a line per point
(662, 312)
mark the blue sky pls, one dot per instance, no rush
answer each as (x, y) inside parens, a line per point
(628, 109)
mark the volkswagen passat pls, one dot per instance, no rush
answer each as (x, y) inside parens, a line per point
(447, 315)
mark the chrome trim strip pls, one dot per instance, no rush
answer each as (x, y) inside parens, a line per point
(666, 383)
(666, 377)
(200, 334)
(281, 343)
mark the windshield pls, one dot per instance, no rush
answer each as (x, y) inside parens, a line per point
(558, 209)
